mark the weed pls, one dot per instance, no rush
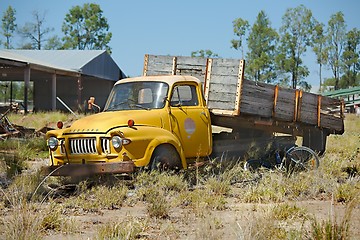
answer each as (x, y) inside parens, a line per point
(130, 228)
(264, 227)
(348, 191)
(209, 227)
(157, 204)
(23, 223)
(332, 228)
(98, 197)
(217, 187)
(286, 211)
(22, 189)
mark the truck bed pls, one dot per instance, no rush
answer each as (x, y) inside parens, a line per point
(236, 102)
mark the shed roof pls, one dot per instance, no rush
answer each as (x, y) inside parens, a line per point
(97, 63)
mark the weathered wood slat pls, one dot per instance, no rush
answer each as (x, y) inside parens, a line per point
(285, 105)
(255, 99)
(225, 71)
(222, 105)
(224, 96)
(223, 88)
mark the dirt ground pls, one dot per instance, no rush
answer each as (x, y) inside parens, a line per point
(238, 221)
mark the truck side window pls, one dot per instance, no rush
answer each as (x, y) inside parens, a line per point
(184, 95)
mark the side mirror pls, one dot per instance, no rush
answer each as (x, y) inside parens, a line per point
(91, 104)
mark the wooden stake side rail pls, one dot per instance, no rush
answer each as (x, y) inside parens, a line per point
(228, 94)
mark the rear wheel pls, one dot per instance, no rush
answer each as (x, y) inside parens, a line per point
(165, 157)
(302, 159)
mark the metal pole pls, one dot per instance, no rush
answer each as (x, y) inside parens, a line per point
(66, 106)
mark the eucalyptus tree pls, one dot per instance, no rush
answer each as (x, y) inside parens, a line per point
(240, 27)
(204, 53)
(260, 65)
(295, 37)
(35, 32)
(336, 35)
(319, 48)
(350, 59)
(8, 26)
(86, 28)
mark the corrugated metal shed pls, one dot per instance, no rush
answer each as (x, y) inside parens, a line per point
(72, 75)
(97, 63)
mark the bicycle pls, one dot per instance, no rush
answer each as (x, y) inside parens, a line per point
(294, 159)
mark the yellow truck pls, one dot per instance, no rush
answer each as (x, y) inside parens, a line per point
(163, 119)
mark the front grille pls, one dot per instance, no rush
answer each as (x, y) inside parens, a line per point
(83, 146)
(105, 145)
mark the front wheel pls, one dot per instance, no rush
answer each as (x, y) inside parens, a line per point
(302, 159)
(165, 158)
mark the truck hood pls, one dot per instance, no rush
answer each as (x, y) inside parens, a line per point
(102, 122)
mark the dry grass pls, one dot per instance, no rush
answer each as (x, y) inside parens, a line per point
(186, 205)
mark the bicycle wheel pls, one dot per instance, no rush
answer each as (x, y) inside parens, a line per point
(302, 159)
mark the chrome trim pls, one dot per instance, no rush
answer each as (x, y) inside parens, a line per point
(83, 146)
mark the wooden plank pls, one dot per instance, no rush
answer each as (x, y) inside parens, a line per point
(222, 96)
(158, 72)
(221, 105)
(191, 61)
(225, 62)
(331, 122)
(220, 112)
(222, 88)
(284, 109)
(226, 71)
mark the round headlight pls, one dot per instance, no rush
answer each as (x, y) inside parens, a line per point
(53, 143)
(116, 142)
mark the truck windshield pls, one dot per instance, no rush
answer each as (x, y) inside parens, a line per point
(137, 95)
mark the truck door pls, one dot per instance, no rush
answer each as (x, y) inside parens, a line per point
(190, 120)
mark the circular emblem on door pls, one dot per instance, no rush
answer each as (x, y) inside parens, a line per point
(189, 125)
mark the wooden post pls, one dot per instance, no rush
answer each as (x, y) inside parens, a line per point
(207, 79)
(146, 60)
(276, 94)
(174, 63)
(79, 89)
(27, 72)
(319, 111)
(239, 87)
(53, 92)
(299, 105)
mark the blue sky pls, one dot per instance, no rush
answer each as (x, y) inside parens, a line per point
(166, 27)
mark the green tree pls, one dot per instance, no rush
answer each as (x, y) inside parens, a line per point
(240, 27)
(350, 59)
(336, 34)
(53, 42)
(261, 43)
(8, 26)
(318, 46)
(35, 32)
(204, 53)
(296, 29)
(86, 28)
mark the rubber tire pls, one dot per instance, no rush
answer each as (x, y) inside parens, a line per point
(303, 159)
(165, 158)
(255, 164)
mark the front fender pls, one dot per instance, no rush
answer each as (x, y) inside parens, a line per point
(153, 137)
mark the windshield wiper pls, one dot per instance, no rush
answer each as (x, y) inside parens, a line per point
(116, 105)
(142, 107)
